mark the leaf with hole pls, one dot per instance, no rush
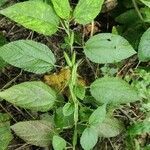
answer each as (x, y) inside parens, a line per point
(62, 8)
(30, 95)
(144, 47)
(28, 55)
(113, 90)
(108, 48)
(35, 15)
(87, 10)
(58, 143)
(38, 132)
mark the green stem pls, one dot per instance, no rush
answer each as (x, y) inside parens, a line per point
(73, 78)
(75, 115)
(75, 100)
(137, 10)
(70, 34)
(75, 138)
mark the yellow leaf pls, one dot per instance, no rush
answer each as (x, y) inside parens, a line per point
(58, 80)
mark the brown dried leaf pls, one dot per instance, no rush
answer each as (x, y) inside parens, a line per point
(58, 80)
(89, 27)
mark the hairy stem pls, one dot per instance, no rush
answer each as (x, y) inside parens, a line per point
(73, 78)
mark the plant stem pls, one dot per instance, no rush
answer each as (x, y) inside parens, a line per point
(71, 87)
(137, 10)
(92, 29)
(73, 78)
(70, 34)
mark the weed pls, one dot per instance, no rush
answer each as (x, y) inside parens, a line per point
(66, 100)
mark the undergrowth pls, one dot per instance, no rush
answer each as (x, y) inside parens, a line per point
(81, 75)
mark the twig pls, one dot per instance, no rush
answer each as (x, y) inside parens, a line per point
(10, 82)
(126, 115)
(22, 147)
(92, 29)
(7, 112)
(111, 144)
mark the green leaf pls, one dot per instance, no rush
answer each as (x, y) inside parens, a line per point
(4, 117)
(146, 2)
(127, 4)
(87, 10)
(110, 127)
(62, 8)
(58, 143)
(61, 121)
(31, 95)
(146, 107)
(2, 42)
(2, 2)
(145, 13)
(113, 90)
(139, 128)
(37, 132)
(108, 48)
(5, 135)
(133, 34)
(129, 17)
(85, 113)
(98, 116)
(144, 47)
(79, 91)
(68, 109)
(35, 15)
(147, 147)
(48, 117)
(89, 138)
(2, 63)
(28, 55)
